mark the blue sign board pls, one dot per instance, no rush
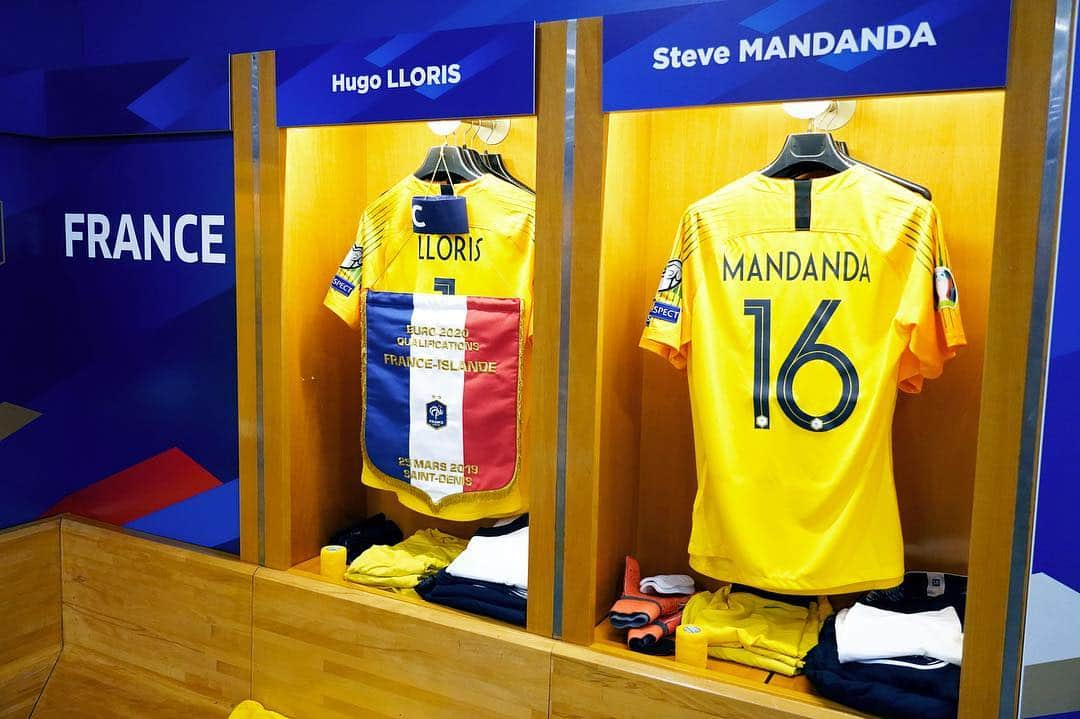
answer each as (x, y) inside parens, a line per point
(769, 50)
(475, 72)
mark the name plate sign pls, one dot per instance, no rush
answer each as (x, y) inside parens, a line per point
(771, 50)
(473, 72)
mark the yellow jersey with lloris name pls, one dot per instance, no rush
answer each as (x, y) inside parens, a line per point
(493, 259)
(797, 308)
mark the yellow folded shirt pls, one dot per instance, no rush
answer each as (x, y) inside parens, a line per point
(254, 710)
(764, 633)
(403, 565)
(753, 659)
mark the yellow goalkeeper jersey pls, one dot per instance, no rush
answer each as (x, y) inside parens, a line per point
(493, 259)
(797, 308)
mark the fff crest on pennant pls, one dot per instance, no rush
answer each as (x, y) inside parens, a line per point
(436, 414)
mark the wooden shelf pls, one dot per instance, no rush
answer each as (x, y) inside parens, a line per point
(610, 640)
(310, 569)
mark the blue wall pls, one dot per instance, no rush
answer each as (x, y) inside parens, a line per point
(115, 31)
(1052, 629)
(40, 33)
(124, 368)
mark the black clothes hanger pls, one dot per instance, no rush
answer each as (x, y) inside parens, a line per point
(497, 167)
(907, 184)
(501, 169)
(472, 157)
(446, 162)
(491, 162)
(808, 152)
(484, 161)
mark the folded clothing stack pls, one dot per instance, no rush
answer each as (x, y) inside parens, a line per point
(405, 564)
(756, 630)
(651, 609)
(491, 577)
(358, 537)
(498, 601)
(896, 653)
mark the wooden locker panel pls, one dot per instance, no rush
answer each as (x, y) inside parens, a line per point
(150, 618)
(327, 651)
(30, 596)
(587, 684)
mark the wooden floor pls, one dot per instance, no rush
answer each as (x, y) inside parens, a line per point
(113, 625)
(89, 685)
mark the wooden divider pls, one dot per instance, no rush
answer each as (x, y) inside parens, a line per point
(323, 650)
(989, 660)
(247, 314)
(30, 630)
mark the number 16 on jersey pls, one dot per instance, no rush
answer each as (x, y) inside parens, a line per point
(806, 349)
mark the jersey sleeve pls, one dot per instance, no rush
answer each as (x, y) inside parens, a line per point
(667, 328)
(930, 308)
(343, 296)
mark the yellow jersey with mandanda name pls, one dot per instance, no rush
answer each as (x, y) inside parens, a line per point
(797, 308)
(494, 259)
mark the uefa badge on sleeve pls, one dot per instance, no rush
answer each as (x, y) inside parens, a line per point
(436, 414)
(945, 293)
(355, 259)
(671, 277)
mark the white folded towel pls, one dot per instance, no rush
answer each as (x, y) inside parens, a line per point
(865, 633)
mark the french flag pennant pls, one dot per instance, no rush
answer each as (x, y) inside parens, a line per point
(442, 390)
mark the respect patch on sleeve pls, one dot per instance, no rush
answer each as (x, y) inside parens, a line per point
(665, 312)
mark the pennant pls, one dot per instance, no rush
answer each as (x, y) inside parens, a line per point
(442, 391)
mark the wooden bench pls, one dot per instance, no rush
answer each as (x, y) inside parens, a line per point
(100, 623)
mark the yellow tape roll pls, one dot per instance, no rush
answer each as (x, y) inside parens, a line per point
(691, 646)
(332, 561)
